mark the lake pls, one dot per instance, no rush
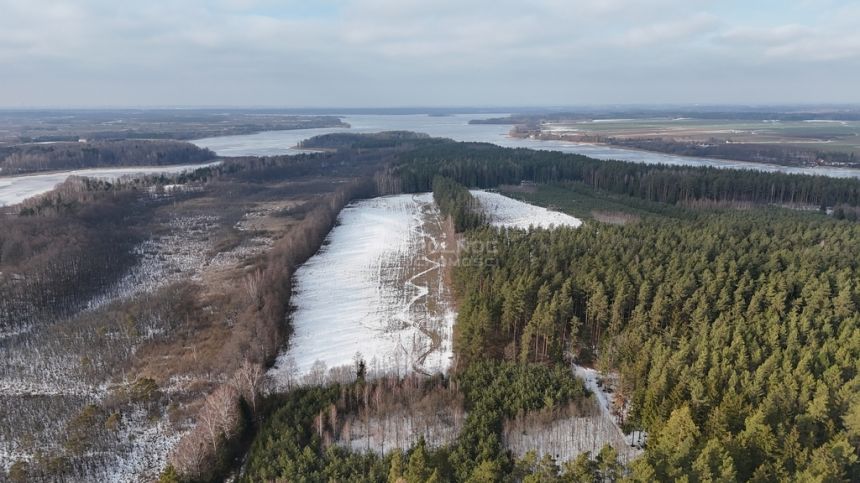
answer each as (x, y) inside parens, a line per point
(457, 127)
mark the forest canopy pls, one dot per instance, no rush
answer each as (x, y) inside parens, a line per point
(28, 158)
(488, 166)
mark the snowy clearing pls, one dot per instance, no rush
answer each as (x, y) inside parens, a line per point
(376, 288)
(510, 213)
(591, 376)
(401, 429)
(566, 438)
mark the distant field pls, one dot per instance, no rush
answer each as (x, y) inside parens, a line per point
(824, 135)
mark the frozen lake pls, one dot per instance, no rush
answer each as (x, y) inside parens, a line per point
(377, 288)
(15, 189)
(457, 127)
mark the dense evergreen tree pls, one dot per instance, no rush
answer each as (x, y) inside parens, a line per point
(736, 334)
(488, 166)
(455, 201)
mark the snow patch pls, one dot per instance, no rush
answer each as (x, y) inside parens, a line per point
(510, 213)
(373, 290)
(591, 378)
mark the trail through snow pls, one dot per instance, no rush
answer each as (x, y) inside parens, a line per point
(377, 288)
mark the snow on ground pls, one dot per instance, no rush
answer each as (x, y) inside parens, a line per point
(591, 376)
(27, 387)
(178, 254)
(375, 288)
(44, 369)
(401, 429)
(15, 189)
(510, 213)
(146, 452)
(565, 439)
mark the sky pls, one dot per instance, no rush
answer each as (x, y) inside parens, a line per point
(396, 53)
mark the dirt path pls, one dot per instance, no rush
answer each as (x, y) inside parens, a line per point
(428, 244)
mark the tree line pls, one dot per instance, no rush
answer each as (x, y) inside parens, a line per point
(65, 247)
(455, 201)
(295, 443)
(30, 158)
(488, 166)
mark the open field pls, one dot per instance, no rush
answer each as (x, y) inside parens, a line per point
(809, 132)
(813, 142)
(507, 212)
(375, 292)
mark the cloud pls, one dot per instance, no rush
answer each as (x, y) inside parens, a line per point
(798, 43)
(390, 52)
(670, 32)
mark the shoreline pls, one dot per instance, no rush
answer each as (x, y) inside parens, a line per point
(753, 164)
(148, 167)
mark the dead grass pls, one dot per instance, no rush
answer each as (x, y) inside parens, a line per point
(615, 217)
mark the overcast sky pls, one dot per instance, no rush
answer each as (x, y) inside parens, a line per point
(358, 53)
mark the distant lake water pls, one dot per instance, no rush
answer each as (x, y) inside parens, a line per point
(14, 189)
(457, 127)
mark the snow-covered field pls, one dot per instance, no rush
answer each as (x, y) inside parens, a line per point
(375, 289)
(511, 213)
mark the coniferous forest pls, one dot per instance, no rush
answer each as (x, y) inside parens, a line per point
(734, 331)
